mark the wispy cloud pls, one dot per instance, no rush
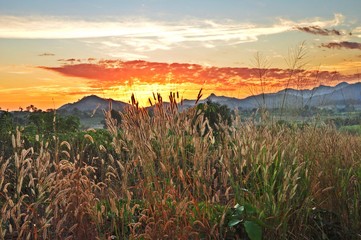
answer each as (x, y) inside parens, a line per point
(164, 33)
(322, 23)
(357, 32)
(70, 60)
(317, 30)
(344, 44)
(19, 72)
(143, 35)
(46, 54)
(42, 89)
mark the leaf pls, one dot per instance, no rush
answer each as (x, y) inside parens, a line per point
(234, 222)
(254, 231)
(238, 211)
(250, 209)
(236, 206)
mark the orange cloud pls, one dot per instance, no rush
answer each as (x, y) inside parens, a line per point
(108, 74)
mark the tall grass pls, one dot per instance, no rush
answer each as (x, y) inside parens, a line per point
(168, 176)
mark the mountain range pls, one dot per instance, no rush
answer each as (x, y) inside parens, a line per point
(339, 96)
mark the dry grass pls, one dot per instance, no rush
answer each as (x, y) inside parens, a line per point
(170, 178)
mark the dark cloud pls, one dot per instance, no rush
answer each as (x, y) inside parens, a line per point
(46, 54)
(316, 30)
(71, 60)
(78, 60)
(345, 44)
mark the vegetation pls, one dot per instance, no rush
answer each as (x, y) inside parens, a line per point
(181, 175)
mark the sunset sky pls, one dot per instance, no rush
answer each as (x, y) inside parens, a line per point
(55, 52)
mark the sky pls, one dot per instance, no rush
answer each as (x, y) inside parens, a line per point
(55, 52)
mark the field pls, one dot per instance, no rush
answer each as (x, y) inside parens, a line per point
(182, 175)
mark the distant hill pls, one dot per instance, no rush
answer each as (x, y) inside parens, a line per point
(341, 95)
(92, 103)
(90, 110)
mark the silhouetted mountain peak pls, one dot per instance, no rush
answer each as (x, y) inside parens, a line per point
(93, 102)
(342, 84)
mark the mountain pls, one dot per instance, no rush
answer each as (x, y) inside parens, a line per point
(89, 109)
(92, 103)
(341, 95)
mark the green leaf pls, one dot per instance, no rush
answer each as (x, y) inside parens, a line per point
(250, 209)
(253, 230)
(234, 222)
(238, 211)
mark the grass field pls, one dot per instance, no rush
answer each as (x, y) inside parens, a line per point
(172, 176)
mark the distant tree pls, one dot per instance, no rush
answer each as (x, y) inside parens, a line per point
(7, 128)
(68, 124)
(37, 120)
(49, 122)
(6, 122)
(215, 113)
(32, 108)
(348, 108)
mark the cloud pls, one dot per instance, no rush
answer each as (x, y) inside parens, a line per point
(72, 60)
(33, 89)
(317, 30)
(144, 35)
(46, 55)
(322, 23)
(344, 44)
(84, 93)
(171, 32)
(357, 32)
(19, 72)
(107, 74)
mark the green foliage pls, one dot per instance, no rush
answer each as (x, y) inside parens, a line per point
(213, 212)
(352, 129)
(6, 122)
(244, 218)
(217, 115)
(345, 121)
(6, 129)
(50, 123)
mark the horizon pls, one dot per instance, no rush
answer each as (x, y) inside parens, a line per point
(204, 97)
(115, 48)
(217, 95)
